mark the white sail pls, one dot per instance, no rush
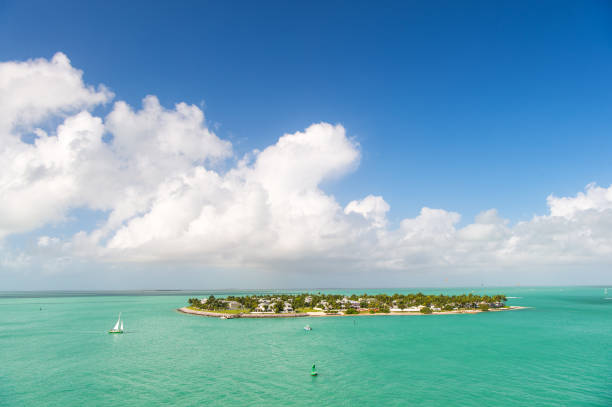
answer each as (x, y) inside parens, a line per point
(116, 327)
(121, 325)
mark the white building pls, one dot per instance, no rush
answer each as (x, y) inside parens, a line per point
(262, 307)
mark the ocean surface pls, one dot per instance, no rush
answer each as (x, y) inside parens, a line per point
(55, 351)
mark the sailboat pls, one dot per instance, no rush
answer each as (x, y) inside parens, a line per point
(118, 328)
(307, 328)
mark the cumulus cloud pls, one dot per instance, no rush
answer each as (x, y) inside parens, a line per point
(372, 208)
(33, 90)
(594, 198)
(153, 175)
(270, 207)
(71, 166)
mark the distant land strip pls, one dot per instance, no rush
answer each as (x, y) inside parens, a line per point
(186, 310)
(320, 304)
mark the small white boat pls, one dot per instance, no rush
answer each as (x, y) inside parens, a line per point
(118, 328)
(307, 328)
(222, 317)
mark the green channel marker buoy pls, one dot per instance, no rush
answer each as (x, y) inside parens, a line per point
(314, 372)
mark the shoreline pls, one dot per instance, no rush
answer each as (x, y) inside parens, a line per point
(212, 314)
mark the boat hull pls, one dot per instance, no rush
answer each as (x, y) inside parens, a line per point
(115, 332)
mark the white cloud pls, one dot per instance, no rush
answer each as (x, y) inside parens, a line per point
(155, 133)
(487, 226)
(40, 181)
(33, 90)
(163, 200)
(272, 207)
(372, 208)
(46, 241)
(596, 198)
(72, 167)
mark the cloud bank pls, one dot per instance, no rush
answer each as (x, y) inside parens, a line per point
(153, 174)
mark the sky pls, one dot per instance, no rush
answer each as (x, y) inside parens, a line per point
(325, 144)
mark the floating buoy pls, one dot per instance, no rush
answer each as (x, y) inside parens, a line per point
(313, 372)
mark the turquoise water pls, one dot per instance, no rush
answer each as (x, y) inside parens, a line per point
(556, 353)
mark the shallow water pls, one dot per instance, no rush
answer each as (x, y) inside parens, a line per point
(556, 353)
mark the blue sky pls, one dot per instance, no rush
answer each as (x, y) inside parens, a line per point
(464, 106)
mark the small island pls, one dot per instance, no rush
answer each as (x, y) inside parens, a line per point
(315, 305)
